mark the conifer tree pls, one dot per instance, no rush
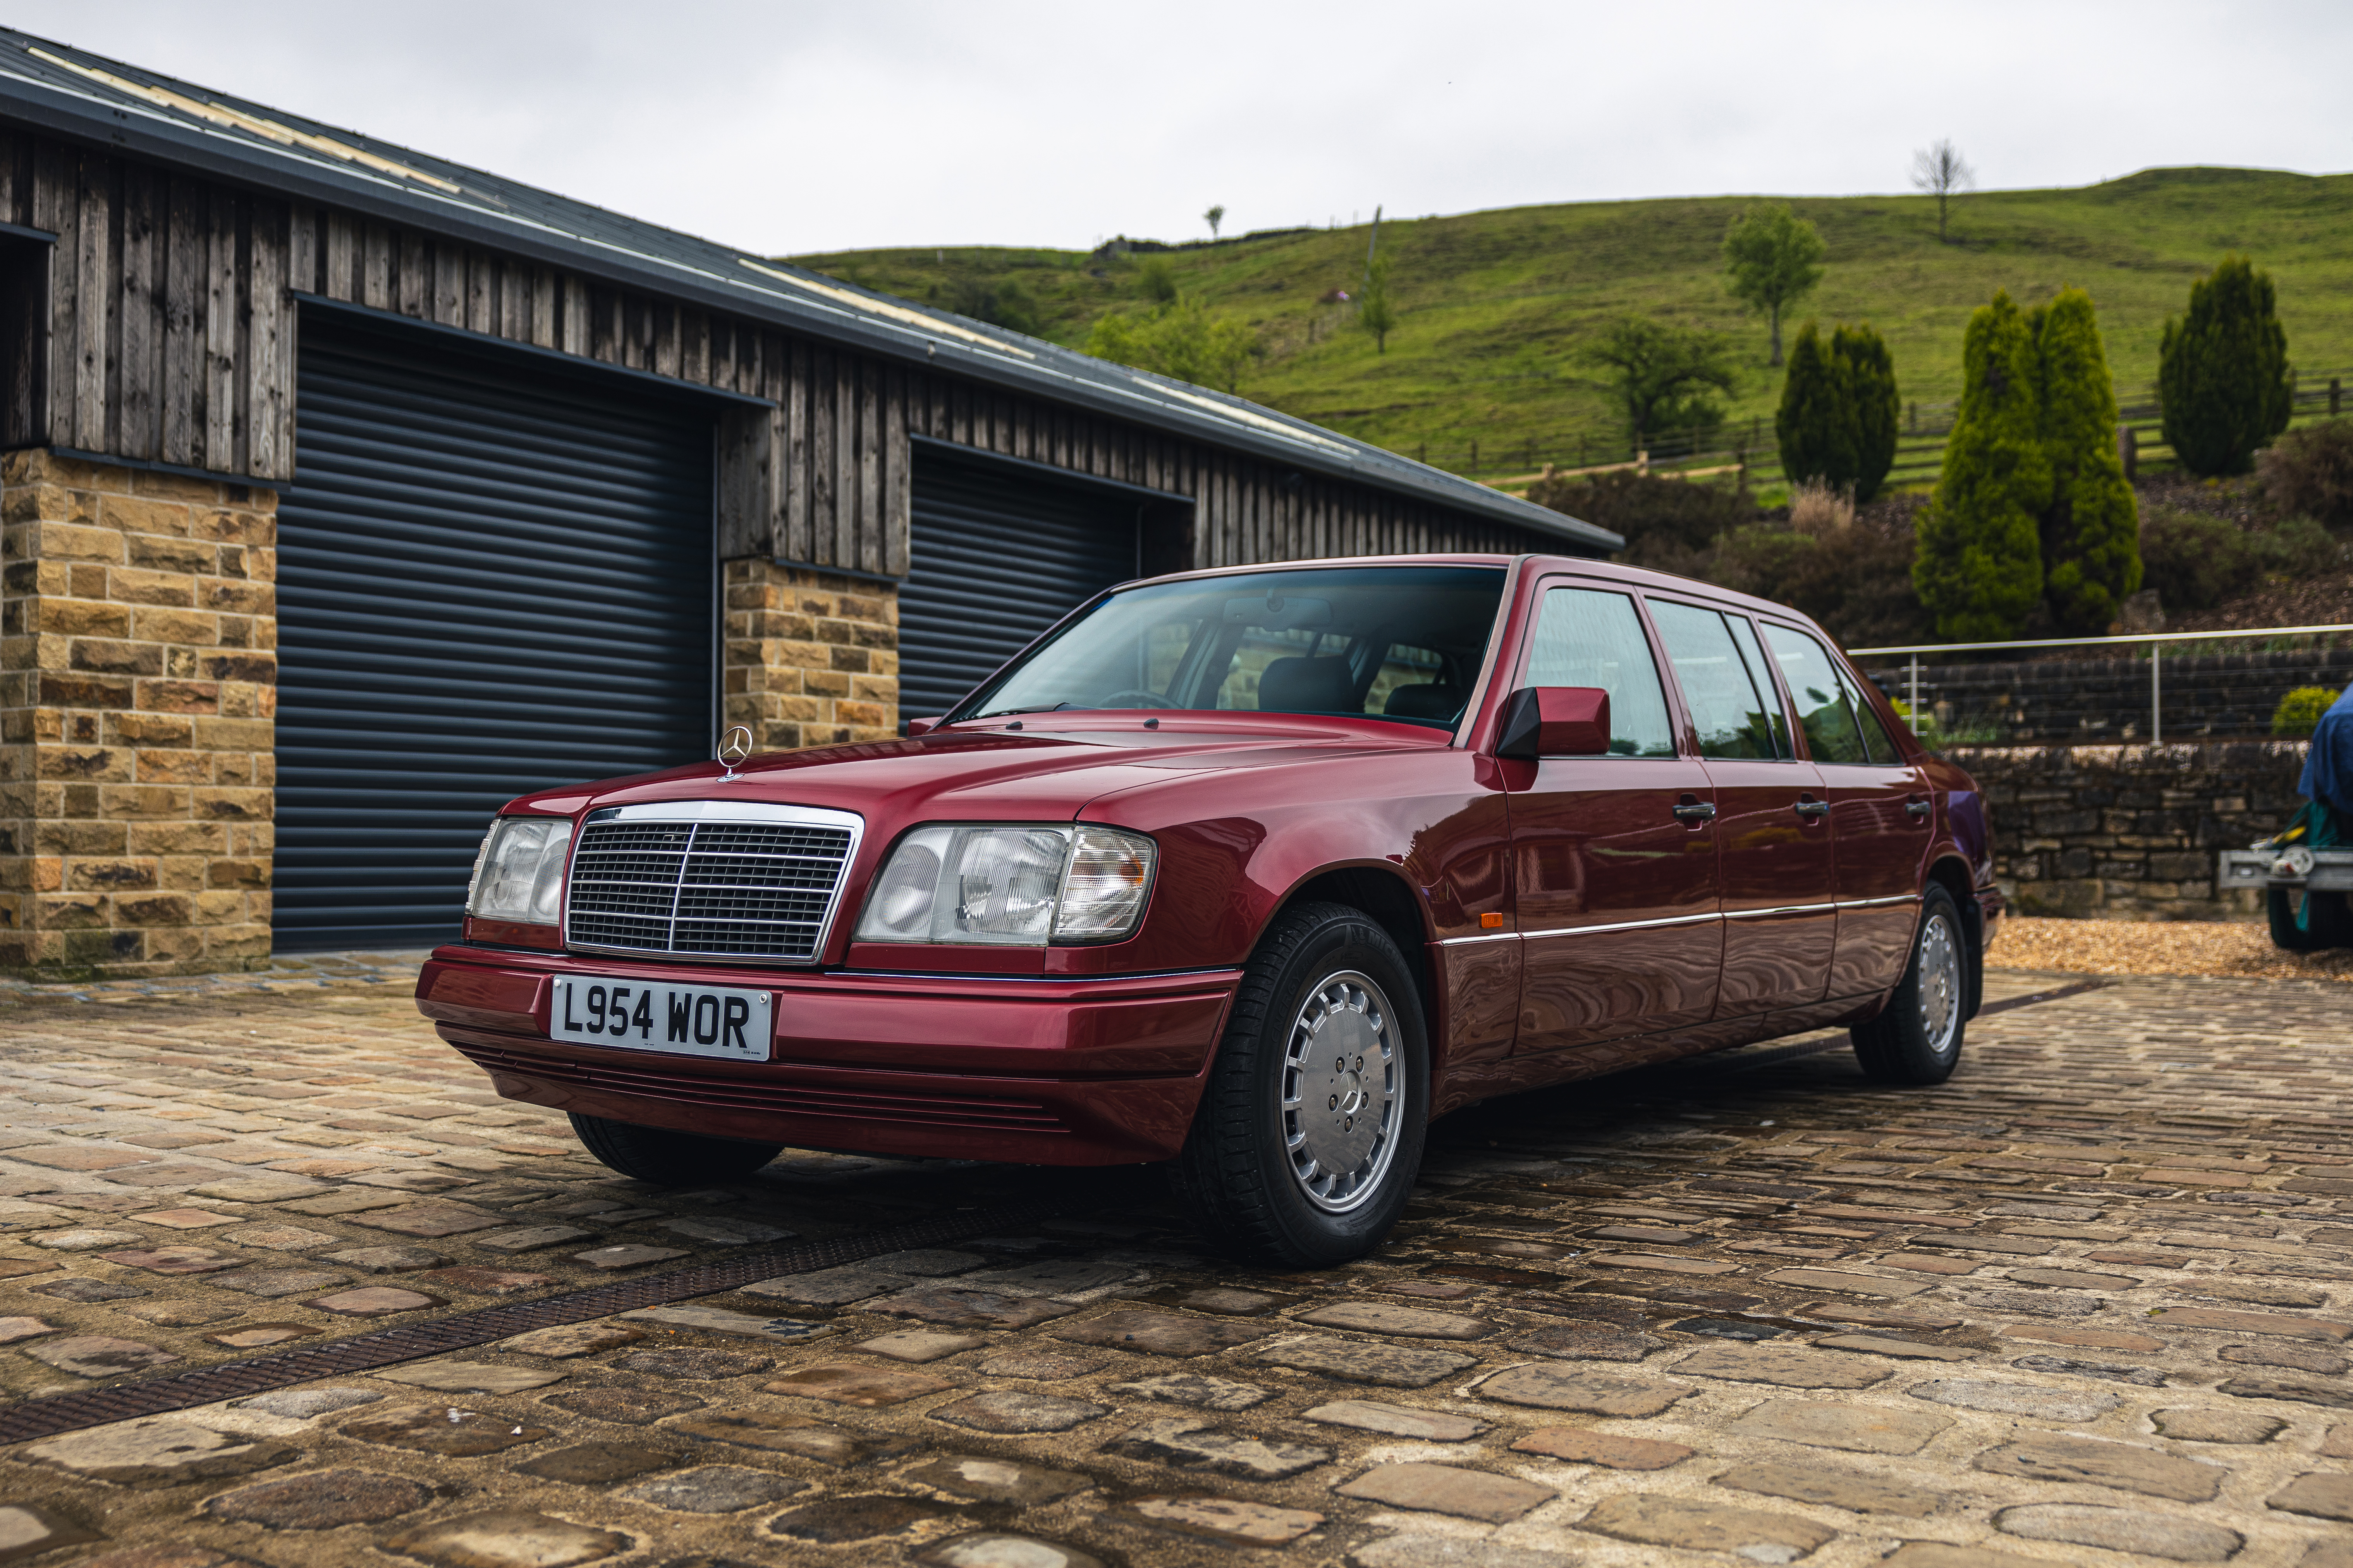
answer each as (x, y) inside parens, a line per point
(1839, 409)
(1813, 424)
(2222, 371)
(1876, 408)
(1979, 566)
(2089, 533)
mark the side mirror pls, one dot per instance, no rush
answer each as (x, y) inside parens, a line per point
(1555, 721)
(920, 727)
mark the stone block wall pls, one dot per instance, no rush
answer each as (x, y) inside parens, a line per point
(138, 685)
(810, 658)
(2130, 832)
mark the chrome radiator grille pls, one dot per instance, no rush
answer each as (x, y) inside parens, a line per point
(709, 880)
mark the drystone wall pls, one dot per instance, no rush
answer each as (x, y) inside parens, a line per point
(2131, 832)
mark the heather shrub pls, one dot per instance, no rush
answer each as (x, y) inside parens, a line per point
(2310, 470)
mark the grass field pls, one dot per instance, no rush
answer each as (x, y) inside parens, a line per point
(1495, 304)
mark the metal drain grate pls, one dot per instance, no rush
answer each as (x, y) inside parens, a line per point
(388, 1347)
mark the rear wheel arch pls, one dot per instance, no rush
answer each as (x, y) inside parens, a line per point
(1952, 872)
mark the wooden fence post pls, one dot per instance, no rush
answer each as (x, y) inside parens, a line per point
(2128, 450)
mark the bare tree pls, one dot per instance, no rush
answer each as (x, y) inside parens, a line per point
(1940, 171)
(1216, 215)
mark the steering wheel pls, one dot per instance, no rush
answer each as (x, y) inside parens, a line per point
(1146, 700)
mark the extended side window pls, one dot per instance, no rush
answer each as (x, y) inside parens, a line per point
(1825, 710)
(1875, 738)
(1733, 718)
(1585, 637)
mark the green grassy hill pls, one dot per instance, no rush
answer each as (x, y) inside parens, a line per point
(1495, 303)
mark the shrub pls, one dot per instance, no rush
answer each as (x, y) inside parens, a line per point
(2090, 532)
(1978, 569)
(1156, 279)
(1856, 582)
(2222, 371)
(2311, 470)
(1839, 409)
(2194, 560)
(1182, 341)
(1820, 509)
(2300, 710)
(2197, 561)
(1667, 523)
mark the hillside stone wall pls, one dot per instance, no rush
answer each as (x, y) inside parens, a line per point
(2130, 832)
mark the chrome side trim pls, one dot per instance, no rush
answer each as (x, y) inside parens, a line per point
(1779, 909)
(1626, 926)
(1482, 936)
(1879, 902)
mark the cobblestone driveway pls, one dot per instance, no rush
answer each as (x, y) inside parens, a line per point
(2087, 1304)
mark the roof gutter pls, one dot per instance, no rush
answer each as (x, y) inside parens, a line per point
(292, 173)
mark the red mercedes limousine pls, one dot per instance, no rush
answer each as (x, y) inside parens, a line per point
(1251, 873)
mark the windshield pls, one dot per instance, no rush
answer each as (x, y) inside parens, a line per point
(1396, 643)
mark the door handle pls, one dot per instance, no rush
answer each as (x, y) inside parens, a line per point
(1917, 809)
(1812, 808)
(1691, 813)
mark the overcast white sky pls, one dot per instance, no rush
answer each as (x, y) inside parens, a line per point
(784, 126)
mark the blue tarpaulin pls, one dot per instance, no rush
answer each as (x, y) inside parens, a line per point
(2329, 770)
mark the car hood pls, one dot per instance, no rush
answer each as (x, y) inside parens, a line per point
(994, 773)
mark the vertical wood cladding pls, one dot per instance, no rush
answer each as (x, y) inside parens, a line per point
(172, 339)
(169, 334)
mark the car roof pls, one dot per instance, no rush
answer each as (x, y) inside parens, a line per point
(1633, 577)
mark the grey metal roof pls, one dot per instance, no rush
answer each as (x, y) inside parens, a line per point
(88, 98)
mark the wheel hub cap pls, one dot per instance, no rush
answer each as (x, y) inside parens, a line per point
(1340, 1091)
(1940, 985)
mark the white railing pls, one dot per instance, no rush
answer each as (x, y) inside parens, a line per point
(2156, 661)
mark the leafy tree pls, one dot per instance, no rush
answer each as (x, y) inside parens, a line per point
(1840, 409)
(1156, 279)
(1214, 215)
(2089, 533)
(2222, 371)
(1376, 307)
(1662, 373)
(1772, 259)
(1006, 304)
(1181, 340)
(1979, 567)
(1940, 171)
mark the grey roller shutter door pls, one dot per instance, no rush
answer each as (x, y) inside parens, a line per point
(995, 557)
(491, 580)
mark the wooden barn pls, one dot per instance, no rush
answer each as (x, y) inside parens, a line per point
(350, 491)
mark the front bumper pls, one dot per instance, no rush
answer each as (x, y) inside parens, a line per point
(1049, 1072)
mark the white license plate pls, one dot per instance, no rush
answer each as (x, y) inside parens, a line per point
(681, 1020)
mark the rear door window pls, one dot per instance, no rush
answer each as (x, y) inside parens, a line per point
(1733, 718)
(1825, 706)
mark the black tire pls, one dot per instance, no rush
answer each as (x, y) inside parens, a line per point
(2330, 924)
(1916, 1038)
(670, 1159)
(1320, 967)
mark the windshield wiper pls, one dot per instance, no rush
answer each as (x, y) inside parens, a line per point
(1034, 708)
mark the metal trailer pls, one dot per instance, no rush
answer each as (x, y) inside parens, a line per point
(2296, 867)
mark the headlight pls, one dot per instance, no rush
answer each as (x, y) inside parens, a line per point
(519, 875)
(1011, 886)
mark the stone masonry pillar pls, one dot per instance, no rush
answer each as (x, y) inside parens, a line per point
(811, 658)
(138, 682)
